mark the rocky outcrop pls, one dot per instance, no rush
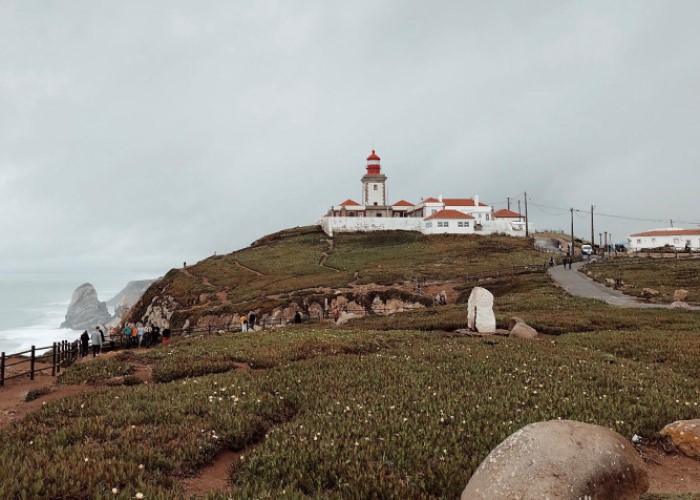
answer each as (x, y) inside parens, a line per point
(480, 315)
(680, 295)
(85, 310)
(685, 435)
(649, 293)
(560, 459)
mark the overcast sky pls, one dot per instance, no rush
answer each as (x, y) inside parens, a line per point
(140, 134)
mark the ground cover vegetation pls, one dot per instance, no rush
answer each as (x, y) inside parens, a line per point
(664, 275)
(335, 413)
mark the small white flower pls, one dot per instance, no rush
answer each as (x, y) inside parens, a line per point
(139, 495)
(115, 490)
(140, 466)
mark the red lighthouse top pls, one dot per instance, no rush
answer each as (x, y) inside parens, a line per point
(373, 166)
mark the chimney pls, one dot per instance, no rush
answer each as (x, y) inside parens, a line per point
(440, 198)
(476, 200)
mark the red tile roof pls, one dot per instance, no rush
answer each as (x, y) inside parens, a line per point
(350, 203)
(669, 232)
(402, 203)
(461, 202)
(507, 214)
(431, 200)
(449, 214)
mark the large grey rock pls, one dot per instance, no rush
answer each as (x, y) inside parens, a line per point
(85, 310)
(557, 460)
(480, 315)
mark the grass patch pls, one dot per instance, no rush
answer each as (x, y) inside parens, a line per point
(94, 371)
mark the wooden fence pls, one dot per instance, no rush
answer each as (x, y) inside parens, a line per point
(53, 357)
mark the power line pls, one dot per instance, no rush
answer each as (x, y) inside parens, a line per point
(601, 214)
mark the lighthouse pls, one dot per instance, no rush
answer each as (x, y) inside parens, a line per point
(374, 187)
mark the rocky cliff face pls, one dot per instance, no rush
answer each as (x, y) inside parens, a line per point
(85, 310)
(130, 294)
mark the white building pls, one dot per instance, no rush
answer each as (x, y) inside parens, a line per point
(431, 215)
(672, 237)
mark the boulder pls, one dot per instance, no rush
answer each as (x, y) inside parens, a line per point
(514, 321)
(560, 459)
(685, 435)
(680, 295)
(523, 331)
(679, 305)
(85, 310)
(649, 293)
(609, 282)
(480, 315)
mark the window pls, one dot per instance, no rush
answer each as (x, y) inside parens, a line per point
(460, 224)
(466, 223)
(376, 187)
(487, 217)
(378, 215)
(351, 214)
(443, 224)
(433, 211)
(653, 240)
(428, 224)
(639, 240)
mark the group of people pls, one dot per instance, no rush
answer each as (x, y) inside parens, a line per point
(248, 321)
(132, 335)
(140, 335)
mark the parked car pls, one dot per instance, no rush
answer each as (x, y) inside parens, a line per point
(586, 249)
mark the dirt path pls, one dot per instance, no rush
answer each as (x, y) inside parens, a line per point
(670, 473)
(238, 264)
(580, 285)
(324, 256)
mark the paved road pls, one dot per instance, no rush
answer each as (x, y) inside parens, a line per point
(580, 285)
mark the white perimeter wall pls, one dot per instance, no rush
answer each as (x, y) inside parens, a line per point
(350, 224)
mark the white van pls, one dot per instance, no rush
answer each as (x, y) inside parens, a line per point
(586, 249)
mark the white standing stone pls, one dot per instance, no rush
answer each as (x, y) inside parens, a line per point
(480, 315)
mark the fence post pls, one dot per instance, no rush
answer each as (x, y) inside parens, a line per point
(2, 369)
(31, 363)
(58, 357)
(53, 360)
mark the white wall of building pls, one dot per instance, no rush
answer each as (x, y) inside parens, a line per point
(374, 193)
(676, 241)
(448, 226)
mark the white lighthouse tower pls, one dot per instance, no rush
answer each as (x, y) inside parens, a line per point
(374, 188)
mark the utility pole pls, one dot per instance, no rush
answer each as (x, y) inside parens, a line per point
(592, 228)
(527, 231)
(671, 222)
(508, 201)
(600, 241)
(572, 232)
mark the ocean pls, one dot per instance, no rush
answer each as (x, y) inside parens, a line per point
(33, 305)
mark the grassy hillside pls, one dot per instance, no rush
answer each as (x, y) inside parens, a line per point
(330, 413)
(664, 275)
(286, 266)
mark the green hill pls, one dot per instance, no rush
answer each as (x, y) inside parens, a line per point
(297, 266)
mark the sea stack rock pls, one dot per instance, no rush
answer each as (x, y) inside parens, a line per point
(85, 310)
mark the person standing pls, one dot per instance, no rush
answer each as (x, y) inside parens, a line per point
(251, 321)
(141, 333)
(244, 323)
(84, 342)
(96, 339)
